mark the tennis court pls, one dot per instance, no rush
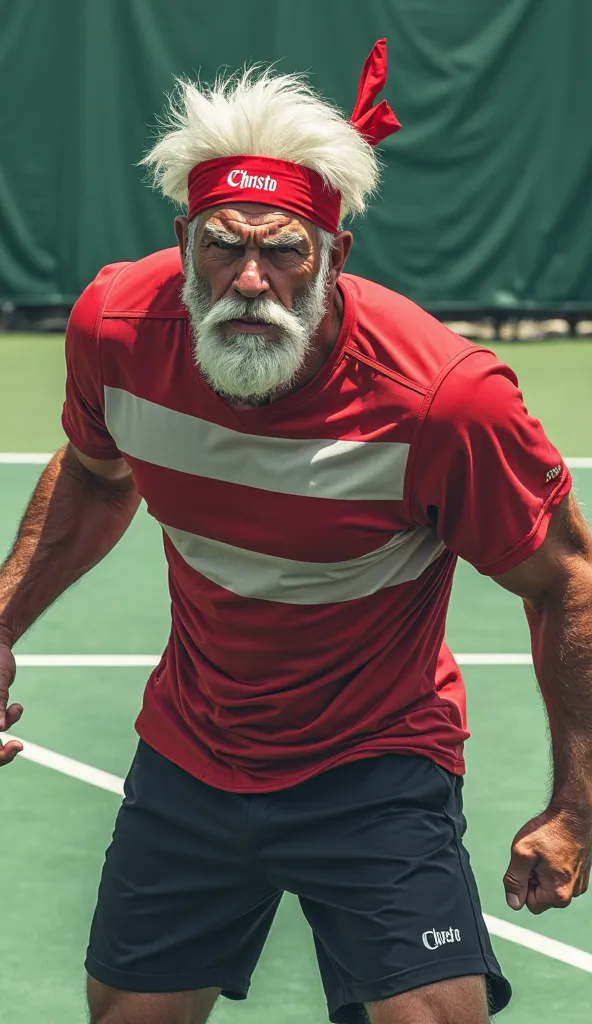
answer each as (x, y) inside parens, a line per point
(81, 676)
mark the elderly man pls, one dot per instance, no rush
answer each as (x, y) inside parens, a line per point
(318, 452)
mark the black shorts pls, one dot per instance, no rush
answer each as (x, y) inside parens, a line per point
(372, 849)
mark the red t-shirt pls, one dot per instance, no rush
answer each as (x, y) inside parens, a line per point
(311, 543)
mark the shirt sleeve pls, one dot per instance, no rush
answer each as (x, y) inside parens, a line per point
(484, 474)
(83, 416)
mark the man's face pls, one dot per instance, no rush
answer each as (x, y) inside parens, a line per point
(255, 287)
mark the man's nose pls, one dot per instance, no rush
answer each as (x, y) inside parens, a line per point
(250, 281)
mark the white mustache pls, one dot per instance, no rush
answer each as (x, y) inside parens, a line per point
(263, 310)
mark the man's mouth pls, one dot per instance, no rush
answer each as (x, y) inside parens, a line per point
(249, 326)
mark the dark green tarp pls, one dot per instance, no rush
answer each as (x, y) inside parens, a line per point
(487, 192)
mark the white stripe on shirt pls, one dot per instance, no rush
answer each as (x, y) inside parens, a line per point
(254, 574)
(315, 468)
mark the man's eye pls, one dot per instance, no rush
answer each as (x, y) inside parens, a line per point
(228, 246)
(284, 250)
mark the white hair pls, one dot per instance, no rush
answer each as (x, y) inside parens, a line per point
(261, 113)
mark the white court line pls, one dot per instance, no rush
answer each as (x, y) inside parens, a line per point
(67, 765)
(42, 458)
(539, 943)
(25, 458)
(87, 660)
(503, 929)
(493, 659)
(150, 660)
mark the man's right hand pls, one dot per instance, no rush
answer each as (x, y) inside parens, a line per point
(8, 715)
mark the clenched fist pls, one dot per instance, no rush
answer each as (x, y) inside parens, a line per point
(550, 861)
(9, 715)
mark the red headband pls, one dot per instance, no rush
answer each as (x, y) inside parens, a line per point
(261, 179)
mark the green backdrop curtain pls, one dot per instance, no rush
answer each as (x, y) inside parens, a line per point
(486, 198)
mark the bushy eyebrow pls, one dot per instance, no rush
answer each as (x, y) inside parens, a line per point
(285, 240)
(220, 235)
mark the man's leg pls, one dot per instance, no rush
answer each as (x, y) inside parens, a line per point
(112, 1006)
(374, 851)
(182, 912)
(456, 1001)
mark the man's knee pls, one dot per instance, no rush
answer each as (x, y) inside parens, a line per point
(454, 1001)
(113, 1006)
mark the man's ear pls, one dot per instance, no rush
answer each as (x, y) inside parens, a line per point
(339, 253)
(181, 230)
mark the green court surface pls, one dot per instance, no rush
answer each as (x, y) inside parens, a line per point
(55, 827)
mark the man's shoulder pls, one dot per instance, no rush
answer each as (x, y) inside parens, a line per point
(398, 335)
(148, 288)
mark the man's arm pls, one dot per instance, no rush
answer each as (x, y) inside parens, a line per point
(550, 861)
(79, 510)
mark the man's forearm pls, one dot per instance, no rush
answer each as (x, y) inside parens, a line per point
(561, 630)
(73, 520)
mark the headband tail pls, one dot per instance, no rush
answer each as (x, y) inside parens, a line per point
(375, 123)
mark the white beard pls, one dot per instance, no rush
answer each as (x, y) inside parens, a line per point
(252, 367)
